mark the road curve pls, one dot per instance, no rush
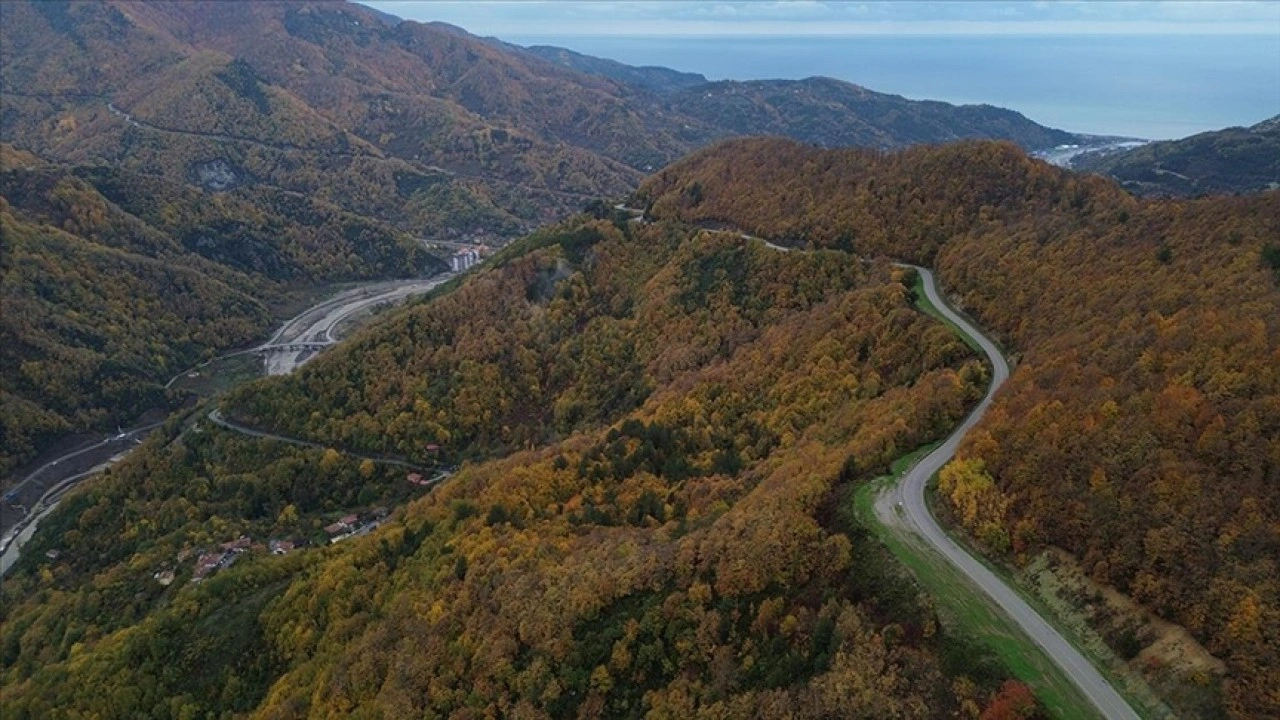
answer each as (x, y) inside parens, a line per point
(215, 417)
(29, 499)
(315, 326)
(910, 496)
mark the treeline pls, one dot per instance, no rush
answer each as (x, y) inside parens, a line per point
(1232, 160)
(671, 413)
(167, 650)
(1141, 428)
(216, 88)
(113, 282)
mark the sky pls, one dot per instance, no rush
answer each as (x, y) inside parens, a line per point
(531, 18)
(1144, 69)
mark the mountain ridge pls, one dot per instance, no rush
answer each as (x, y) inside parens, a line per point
(1231, 160)
(1145, 333)
(331, 77)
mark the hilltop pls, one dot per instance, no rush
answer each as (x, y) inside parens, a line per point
(659, 428)
(1233, 160)
(657, 425)
(1140, 430)
(421, 125)
(290, 116)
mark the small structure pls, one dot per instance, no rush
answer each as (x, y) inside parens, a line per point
(164, 577)
(207, 563)
(240, 544)
(281, 547)
(417, 479)
(341, 530)
(53, 554)
(463, 260)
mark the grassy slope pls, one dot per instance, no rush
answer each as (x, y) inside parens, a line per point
(971, 613)
(966, 610)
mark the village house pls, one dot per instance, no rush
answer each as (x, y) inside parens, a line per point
(205, 564)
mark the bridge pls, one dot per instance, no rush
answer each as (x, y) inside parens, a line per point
(292, 346)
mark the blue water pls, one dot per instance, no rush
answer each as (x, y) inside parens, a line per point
(1154, 87)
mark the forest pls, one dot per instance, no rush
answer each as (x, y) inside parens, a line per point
(113, 282)
(655, 425)
(439, 132)
(1232, 160)
(1140, 430)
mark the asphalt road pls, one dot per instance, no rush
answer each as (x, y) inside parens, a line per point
(317, 323)
(36, 493)
(909, 496)
(216, 418)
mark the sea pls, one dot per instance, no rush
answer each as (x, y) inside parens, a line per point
(1149, 86)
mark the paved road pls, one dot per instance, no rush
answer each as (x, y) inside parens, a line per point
(910, 495)
(216, 418)
(34, 492)
(317, 323)
(35, 495)
(11, 548)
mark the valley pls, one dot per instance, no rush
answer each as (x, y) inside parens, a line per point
(294, 343)
(353, 366)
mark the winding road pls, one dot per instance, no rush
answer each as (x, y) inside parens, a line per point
(297, 340)
(904, 506)
(215, 417)
(909, 495)
(302, 335)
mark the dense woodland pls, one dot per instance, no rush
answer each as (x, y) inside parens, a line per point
(1234, 160)
(657, 425)
(661, 424)
(1141, 428)
(113, 282)
(314, 129)
(422, 125)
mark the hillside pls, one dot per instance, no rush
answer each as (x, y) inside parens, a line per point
(420, 125)
(1140, 430)
(113, 282)
(833, 113)
(1234, 160)
(658, 79)
(307, 142)
(660, 424)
